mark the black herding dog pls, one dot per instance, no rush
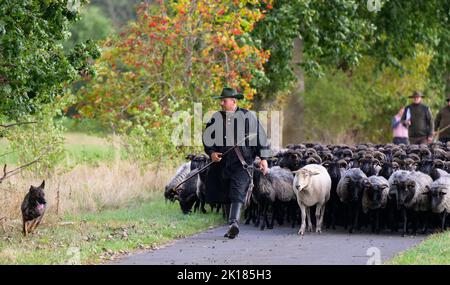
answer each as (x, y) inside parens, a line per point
(33, 208)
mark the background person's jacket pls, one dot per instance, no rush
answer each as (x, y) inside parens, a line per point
(421, 120)
(443, 121)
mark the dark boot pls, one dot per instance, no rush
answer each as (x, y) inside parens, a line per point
(235, 212)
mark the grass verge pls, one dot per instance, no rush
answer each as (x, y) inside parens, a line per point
(434, 250)
(99, 237)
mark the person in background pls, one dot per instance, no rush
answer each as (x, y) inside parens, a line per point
(417, 117)
(442, 122)
(399, 131)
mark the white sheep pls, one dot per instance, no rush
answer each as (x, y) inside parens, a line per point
(312, 185)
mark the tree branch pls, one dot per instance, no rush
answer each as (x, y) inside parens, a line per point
(7, 174)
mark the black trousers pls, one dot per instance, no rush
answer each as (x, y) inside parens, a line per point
(226, 186)
(236, 184)
(399, 140)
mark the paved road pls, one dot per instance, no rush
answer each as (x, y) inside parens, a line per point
(281, 245)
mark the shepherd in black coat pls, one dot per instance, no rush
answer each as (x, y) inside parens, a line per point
(227, 180)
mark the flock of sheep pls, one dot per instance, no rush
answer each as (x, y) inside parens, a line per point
(382, 186)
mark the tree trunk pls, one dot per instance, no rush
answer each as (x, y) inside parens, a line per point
(294, 108)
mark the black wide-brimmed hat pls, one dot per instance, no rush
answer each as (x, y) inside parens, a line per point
(228, 92)
(416, 94)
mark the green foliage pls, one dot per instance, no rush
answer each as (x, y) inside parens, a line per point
(358, 107)
(334, 110)
(43, 140)
(333, 33)
(93, 25)
(33, 66)
(338, 33)
(173, 55)
(119, 11)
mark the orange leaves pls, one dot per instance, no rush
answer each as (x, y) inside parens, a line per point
(236, 32)
(152, 66)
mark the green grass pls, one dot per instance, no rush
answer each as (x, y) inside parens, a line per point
(100, 236)
(89, 154)
(80, 149)
(434, 250)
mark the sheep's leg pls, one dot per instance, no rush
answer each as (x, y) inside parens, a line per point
(320, 211)
(249, 212)
(270, 226)
(202, 205)
(264, 217)
(349, 218)
(303, 224)
(425, 218)
(357, 218)
(334, 211)
(259, 212)
(377, 220)
(405, 221)
(308, 217)
(444, 215)
(294, 214)
(415, 222)
(196, 205)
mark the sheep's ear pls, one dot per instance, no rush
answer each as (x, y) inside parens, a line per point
(42, 184)
(296, 171)
(314, 173)
(442, 193)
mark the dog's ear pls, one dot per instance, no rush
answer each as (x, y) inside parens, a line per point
(42, 184)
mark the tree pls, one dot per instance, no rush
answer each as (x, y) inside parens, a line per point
(33, 67)
(93, 25)
(176, 53)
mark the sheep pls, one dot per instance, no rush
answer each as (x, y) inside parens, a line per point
(312, 185)
(187, 194)
(349, 190)
(375, 198)
(410, 198)
(180, 175)
(276, 185)
(440, 198)
(336, 170)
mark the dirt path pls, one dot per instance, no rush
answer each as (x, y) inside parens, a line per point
(281, 245)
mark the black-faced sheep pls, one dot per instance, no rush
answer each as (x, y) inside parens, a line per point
(440, 198)
(411, 199)
(375, 198)
(182, 172)
(350, 189)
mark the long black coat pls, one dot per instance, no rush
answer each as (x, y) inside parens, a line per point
(227, 181)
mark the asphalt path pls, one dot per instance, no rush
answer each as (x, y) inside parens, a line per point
(280, 245)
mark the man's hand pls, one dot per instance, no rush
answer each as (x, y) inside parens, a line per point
(430, 139)
(264, 166)
(216, 156)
